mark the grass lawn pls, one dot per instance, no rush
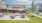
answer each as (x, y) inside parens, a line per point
(32, 20)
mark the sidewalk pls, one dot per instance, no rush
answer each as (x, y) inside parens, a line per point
(36, 15)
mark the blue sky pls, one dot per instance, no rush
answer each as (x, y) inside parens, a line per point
(27, 3)
(9, 1)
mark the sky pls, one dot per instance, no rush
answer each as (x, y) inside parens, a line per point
(27, 3)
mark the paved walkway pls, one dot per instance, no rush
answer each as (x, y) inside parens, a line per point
(16, 18)
(36, 15)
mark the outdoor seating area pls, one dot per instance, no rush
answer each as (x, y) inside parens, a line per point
(14, 18)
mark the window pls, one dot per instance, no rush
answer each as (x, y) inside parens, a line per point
(40, 8)
(13, 11)
(9, 10)
(2, 10)
(5, 10)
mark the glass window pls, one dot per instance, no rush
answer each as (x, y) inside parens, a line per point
(2, 11)
(2, 0)
(40, 7)
(14, 7)
(5, 10)
(9, 10)
(14, 11)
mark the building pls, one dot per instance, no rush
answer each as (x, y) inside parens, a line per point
(10, 8)
(38, 7)
(3, 6)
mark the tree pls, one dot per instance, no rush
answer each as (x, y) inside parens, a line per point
(33, 7)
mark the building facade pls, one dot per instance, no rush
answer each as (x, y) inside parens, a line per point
(11, 8)
(38, 7)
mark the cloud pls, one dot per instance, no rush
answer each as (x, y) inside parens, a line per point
(27, 3)
(38, 1)
(22, 2)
